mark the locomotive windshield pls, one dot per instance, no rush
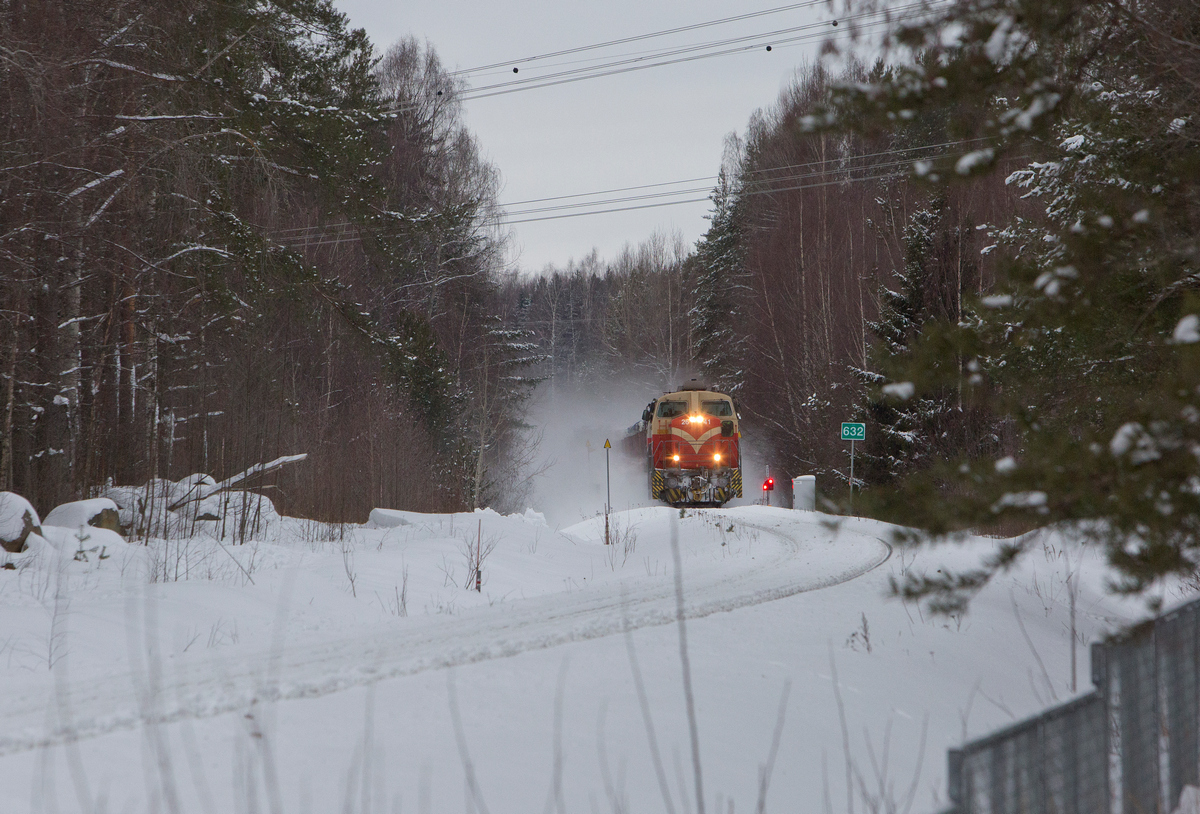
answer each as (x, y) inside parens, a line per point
(720, 409)
(672, 409)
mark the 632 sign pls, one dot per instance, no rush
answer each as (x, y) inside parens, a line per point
(853, 431)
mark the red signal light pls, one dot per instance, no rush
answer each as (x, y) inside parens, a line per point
(769, 485)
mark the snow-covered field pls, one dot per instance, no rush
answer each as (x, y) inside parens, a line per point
(321, 667)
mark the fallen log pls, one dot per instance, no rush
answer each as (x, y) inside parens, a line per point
(201, 491)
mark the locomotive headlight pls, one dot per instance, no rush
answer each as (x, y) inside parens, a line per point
(696, 419)
(717, 457)
(675, 458)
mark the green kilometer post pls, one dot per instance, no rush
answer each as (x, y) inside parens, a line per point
(853, 431)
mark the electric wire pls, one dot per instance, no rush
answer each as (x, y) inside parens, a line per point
(693, 190)
(673, 55)
(817, 30)
(759, 171)
(300, 232)
(518, 218)
(639, 37)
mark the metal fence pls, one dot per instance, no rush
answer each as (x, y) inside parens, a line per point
(1128, 747)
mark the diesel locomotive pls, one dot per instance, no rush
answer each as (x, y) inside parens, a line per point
(692, 447)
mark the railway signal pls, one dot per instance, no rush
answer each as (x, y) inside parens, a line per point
(769, 485)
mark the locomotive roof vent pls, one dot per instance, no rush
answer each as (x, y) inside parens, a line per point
(693, 384)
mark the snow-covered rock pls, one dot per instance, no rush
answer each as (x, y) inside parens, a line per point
(148, 507)
(100, 512)
(18, 519)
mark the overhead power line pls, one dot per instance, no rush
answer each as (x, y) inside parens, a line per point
(673, 55)
(694, 190)
(872, 173)
(639, 37)
(755, 176)
(668, 56)
(754, 172)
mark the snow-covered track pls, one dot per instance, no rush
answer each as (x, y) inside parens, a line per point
(793, 559)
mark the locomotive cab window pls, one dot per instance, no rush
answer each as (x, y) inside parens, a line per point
(720, 409)
(672, 409)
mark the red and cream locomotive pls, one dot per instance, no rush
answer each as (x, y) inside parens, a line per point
(692, 447)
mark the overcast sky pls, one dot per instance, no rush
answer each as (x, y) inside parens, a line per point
(643, 127)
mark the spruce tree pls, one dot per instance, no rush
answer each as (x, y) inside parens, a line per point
(1088, 344)
(718, 279)
(902, 443)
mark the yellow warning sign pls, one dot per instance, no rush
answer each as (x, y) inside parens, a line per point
(606, 444)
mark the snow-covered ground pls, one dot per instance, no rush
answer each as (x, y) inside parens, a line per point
(320, 668)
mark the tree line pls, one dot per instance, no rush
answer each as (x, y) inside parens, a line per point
(985, 247)
(823, 259)
(230, 231)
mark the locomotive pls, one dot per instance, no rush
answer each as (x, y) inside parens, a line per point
(692, 447)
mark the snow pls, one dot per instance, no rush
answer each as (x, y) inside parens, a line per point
(1006, 42)
(969, 162)
(1021, 500)
(1051, 281)
(87, 539)
(1132, 439)
(1189, 801)
(901, 390)
(78, 513)
(1187, 331)
(95, 182)
(317, 663)
(1073, 143)
(13, 509)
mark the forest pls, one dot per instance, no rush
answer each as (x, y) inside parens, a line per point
(983, 245)
(234, 231)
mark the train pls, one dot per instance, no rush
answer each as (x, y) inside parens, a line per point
(691, 442)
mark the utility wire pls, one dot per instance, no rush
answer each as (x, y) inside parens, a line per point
(905, 11)
(639, 37)
(300, 232)
(558, 215)
(502, 89)
(694, 190)
(759, 171)
(674, 55)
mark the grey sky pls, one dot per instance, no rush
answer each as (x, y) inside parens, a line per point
(643, 127)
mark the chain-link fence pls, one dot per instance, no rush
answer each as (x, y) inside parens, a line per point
(1129, 747)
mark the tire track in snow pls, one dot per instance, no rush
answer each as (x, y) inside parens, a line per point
(227, 684)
